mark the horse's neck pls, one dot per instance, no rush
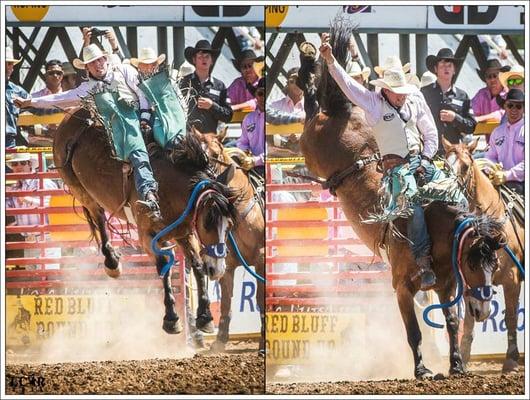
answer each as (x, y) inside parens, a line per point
(483, 194)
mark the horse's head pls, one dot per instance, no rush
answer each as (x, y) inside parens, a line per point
(459, 158)
(479, 265)
(215, 216)
(212, 145)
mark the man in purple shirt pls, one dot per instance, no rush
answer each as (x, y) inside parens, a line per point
(239, 95)
(253, 132)
(484, 103)
(507, 144)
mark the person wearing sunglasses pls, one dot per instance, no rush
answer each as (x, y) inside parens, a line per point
(484, 103)
(514, 78)
(252, 139)
(238, 93)
(507, 144)
(450, 105)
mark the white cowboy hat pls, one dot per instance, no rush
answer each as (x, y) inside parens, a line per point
(90, 53)
(428, 78)
(10, 57)
(391, 62)
(394, 80)
(148, 56)
(413, 80)
(355, 70)
(186, 68)
(516, 70)
(17, 157)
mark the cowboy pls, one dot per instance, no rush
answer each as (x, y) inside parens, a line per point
(400, 124)
(12, 91)
(69, 80)
(252, 137)
(484, 103)
(514, 78)
(450, 106)
(507, 144)
(240, 97)
(209, 102)
(147, 62)
(129, 143)
(26, 163)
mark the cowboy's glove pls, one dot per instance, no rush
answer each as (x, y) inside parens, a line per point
(498, 178)
(248, 163)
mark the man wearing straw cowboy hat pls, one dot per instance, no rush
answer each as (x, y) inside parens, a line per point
(148, 61)
(12, 91)
(209, 102)
(399, 125)
(129, 144)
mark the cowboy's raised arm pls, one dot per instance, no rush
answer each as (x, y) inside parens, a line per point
(357, 93)
(70, 98)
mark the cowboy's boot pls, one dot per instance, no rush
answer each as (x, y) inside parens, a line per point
(150, 202)
(170, 118)
(427, 276)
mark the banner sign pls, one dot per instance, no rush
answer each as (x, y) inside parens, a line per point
(383, 18)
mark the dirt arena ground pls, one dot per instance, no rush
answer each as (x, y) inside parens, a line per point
(483, 378)
(238, 371)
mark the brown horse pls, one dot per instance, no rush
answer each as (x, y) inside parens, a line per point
(485, 198)
(249, 236)
(83, 156)
(338, 138)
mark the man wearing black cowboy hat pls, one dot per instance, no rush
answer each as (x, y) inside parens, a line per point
(450, 106)
(485, 106)
(238, 93)
(507, 144)
(209, 101)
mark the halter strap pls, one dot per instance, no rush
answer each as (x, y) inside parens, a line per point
(197, 206)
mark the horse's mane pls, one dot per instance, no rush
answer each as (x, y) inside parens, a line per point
(189, 152)
(335, 102)
(219, 205)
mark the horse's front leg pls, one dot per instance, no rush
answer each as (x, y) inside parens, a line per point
(511, 289)
(452, 322)
(227, 291)
(406, 307)
(204, 319)
(467, 338)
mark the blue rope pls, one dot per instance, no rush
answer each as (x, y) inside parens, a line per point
(154, 243)
(243, 262)
(514, 259)
(459, 284)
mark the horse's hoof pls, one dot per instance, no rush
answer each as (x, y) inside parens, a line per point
(172, 327)
(206, 328)
(510, 366)
(458, 370)
(423, 373)
(217, 347)
(114, 272)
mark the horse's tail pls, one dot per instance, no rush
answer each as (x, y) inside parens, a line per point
(92, 225)
(488, 237)
(335, 102)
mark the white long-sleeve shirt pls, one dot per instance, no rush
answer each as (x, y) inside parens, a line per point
(122, 77)
(372, 104)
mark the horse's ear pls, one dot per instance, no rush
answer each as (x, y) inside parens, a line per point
(222, 134)
(227, 175)
(446, 144)
(195, 132)
(473, 145)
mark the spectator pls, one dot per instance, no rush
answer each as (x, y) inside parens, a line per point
(240, 97)
(25, 163)
(147, 62)
(248, 38)
(288, 109)
(513, 79)
(70, 78)
(209, 102)
(89, 36)
(493, 41)
(252, 138)
(428, 78)
(391, 62)
(12, 110)
(450, 106)
(484, 103)
(507, 144)
(360, 75)
(130, 145)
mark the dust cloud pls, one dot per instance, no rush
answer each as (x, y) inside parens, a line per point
(116, 327)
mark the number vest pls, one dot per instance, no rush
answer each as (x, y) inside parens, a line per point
(395, 136)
